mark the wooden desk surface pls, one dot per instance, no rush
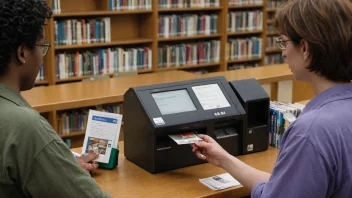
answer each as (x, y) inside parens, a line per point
(90, 93)
(264, 74)
(129, 180)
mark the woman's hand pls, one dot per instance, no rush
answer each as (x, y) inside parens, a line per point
(210, 150)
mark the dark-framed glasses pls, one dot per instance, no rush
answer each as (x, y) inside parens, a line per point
(44, 47)
(281, 43)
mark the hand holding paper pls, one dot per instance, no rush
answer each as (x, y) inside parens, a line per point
(102, 134)
(210, 150)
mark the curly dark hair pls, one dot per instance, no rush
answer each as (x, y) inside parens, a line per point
(21, 22)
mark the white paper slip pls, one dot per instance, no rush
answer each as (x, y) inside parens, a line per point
(211, 96)
(102, 134)
(185, 138)
(220, 182)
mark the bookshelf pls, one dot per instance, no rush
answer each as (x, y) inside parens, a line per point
(138, 27)
(272, 52)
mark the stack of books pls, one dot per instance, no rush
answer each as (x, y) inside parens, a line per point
(281, 116)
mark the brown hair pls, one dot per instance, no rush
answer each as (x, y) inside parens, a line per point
(327, 27)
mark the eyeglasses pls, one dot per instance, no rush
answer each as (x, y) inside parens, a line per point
(281, 43)
(44, 47)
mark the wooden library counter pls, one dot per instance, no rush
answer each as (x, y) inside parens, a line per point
(91, 93)
(129, 180)
(83, 94)
(264, 75)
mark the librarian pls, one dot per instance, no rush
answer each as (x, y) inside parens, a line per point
(315, 159)
(34, 161)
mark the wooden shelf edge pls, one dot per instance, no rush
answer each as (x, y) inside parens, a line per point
(189, 9)
(41, 82)
(100, 13)
(178, 38)
(143, 71)
(244, 60)
(76, 78)
(72, 134)
(113, 43)
(188, 66)
(244, 33)
(273, 50)
(246, 6)
(272, 33)
(271, 9)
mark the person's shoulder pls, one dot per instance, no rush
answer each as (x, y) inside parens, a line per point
(324, 126)
(25, 122)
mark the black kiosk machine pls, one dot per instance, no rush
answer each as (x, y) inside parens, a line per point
(235, 114)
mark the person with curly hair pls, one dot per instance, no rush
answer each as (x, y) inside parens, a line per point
(34, 161)
(315, 157)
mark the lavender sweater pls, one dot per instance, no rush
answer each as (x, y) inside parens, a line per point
(316, 155)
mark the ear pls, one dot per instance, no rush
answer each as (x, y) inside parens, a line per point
(21, 54)
(305, 50)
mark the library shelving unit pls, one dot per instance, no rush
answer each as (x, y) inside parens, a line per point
(257, 32)
(272, 52)
(135, 28)
(139, 28)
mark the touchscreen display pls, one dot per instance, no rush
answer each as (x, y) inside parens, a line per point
(171, 102)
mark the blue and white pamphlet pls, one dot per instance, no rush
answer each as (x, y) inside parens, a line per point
(102, 134)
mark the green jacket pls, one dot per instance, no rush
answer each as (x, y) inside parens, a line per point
(34, 161)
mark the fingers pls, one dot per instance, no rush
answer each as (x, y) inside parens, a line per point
(206, 138)
(200, 155)
(93, 166)
(90, 166)
(202, 144)
(194, 147)
(90, 157)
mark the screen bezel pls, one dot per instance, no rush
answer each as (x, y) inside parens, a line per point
(190, 116)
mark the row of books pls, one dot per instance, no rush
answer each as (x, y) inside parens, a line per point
(82, 31)
(273, 59)
(281, 116)
(102, 61)
(245, 21)
(56, 6)
(189, 54)
(76, 120)
(244, 48)
(242, 66)
(130, 5)
(275, 3)
(40, 75)
(188, 3)
(271, 43)
(187, 25)
(245, 2)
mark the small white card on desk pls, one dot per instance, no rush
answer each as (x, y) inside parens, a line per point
(102, 134)
(220, 182)
(185, 138)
